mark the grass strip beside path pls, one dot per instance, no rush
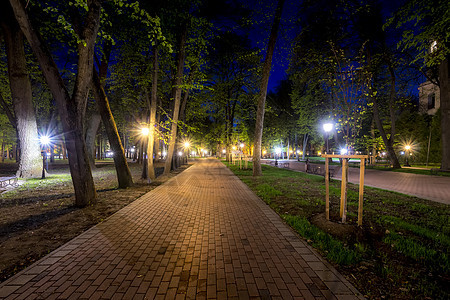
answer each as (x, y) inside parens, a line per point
(400, 252)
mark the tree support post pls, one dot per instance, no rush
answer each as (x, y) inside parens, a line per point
(343, 203)
(362, 166)
(327, 190)
(343, 207)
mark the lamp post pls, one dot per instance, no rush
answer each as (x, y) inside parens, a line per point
(277, 152)
(145, 131)
(407, 148)
(186, 149)
(45, 140)
(327, 127)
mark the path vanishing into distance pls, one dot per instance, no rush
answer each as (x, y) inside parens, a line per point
(430, 187)
(202, 234)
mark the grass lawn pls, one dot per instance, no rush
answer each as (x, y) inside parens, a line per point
(400, 252)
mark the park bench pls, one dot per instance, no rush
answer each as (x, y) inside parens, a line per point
(320, 169)
(283, 165)
(5, 181)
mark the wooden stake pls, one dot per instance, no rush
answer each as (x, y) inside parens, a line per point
(343, 207)
(361, 191)
(327, 189)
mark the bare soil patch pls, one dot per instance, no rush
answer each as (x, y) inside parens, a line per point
(37, 219)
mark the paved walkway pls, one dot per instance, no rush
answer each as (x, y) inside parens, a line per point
(203, 234)
(435, 188)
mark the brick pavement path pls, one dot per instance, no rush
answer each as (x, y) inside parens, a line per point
(203, 234)
(435, 188)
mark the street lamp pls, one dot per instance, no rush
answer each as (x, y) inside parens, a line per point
(187, 144)
(45, 141)
(407, 148)
(327, 127)
(277, 152)
(145, 131)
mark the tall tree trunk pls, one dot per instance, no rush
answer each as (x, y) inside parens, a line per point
(259, 126)
(176, 96)
(124, 177)
(151, 132)
(444, 85)
(71, 109)
(392, 96)
(91, 134)
(30, 165)
(305, 143)
(387, 142)
(123, 172)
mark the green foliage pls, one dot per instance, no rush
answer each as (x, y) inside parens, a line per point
(419, 252)
(423, 22)
(395, 223)
(334, 250)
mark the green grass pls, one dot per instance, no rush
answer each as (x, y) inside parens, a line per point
(439, 238)
(334, 250)
(416, 250)
(408, 228)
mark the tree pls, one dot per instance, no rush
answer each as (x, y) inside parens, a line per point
(176, 94)
(71, 109)
(425, 29)
(152, 121)
(257, 171)
(24, 118)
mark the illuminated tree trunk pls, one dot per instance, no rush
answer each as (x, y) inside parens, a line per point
(91, 133)
(388, 142)
(151, 132)
(124, 177)
(30, 164)
(444, 85)
(123, 172)
(177, 99)
(259, 126)
(71, 109)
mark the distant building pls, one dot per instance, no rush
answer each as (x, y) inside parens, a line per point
(429, 98)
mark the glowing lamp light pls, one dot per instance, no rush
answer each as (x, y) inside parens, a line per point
(407, 147)
(145, 131)
(328, 127)
(320, 153)
(344, 151)
(204, 150)
(45, 140)
(242, 145)
(164, 153)
(234, 147)
(402, 152)
(132, 149)
(264, 152)
(384, 153)
(186, 144)
(278, 150)
(180, 153)
(224, 151)
(193, 153)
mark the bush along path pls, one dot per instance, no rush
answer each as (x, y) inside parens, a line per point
(400, 252)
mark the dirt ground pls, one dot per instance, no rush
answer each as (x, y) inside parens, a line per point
(35, 221)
